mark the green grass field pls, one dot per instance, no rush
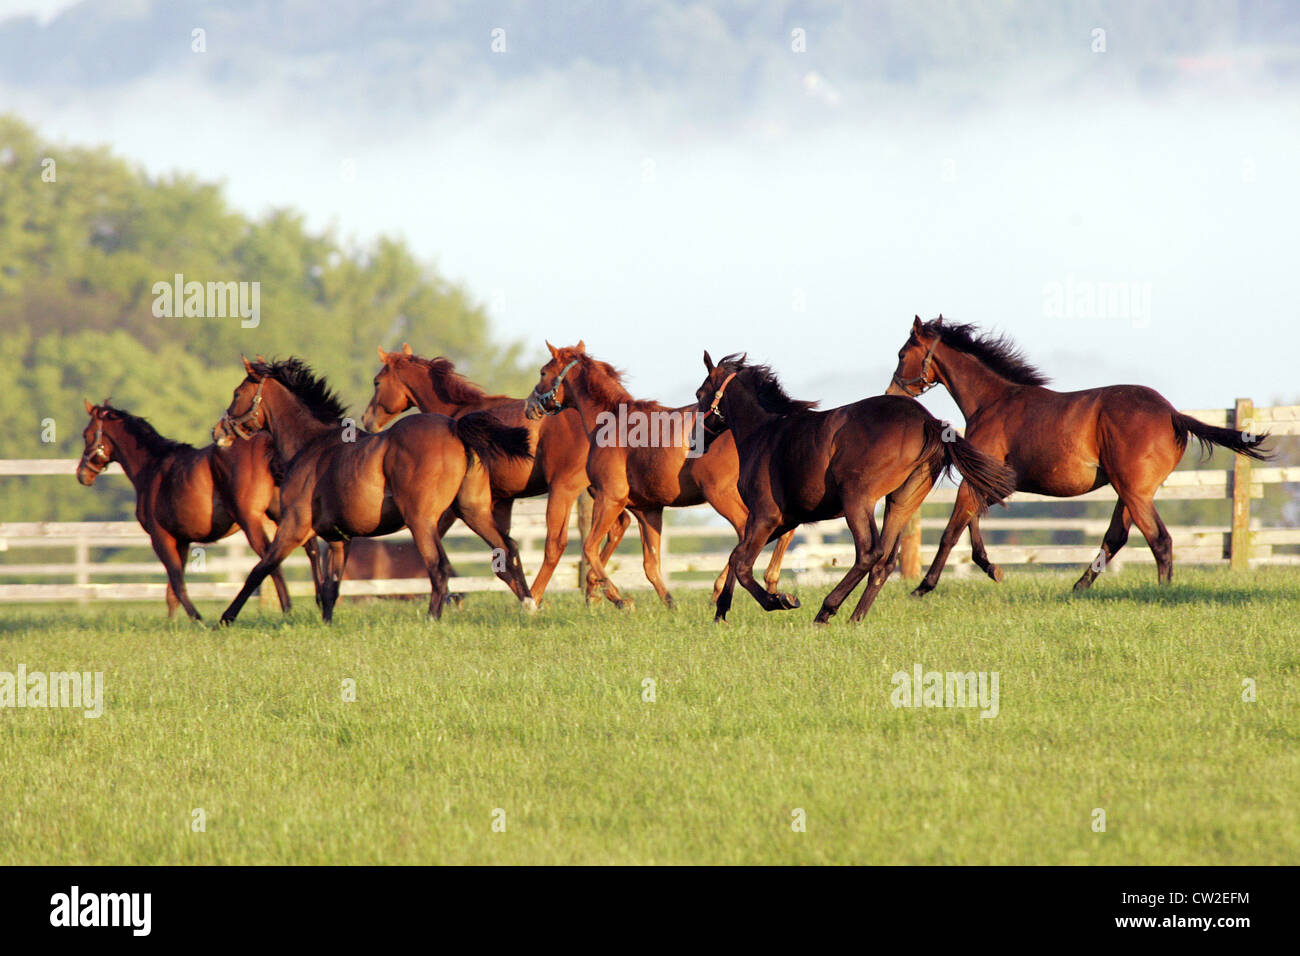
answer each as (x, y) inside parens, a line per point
(1128, 699)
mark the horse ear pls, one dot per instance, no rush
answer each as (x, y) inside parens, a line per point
(555, 353)
(708, 362)
(917, 325)
(940, 318)
(581, 346)
(383, 356)
(248, 366)
(90, 409)
(407, 350)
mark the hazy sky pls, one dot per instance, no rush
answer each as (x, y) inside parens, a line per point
(635, 209)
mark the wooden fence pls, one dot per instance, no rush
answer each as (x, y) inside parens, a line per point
(819, 554)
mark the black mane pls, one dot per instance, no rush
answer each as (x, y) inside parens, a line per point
(767, 387)
(998, 352)
(144, 433)
(311, 389)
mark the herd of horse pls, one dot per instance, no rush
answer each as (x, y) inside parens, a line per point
(291, 470)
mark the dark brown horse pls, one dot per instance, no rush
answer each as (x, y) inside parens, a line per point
(1058, 443)
(642, 474)
(186, 495)
(798, 465)
(339, 485)
(557, 469)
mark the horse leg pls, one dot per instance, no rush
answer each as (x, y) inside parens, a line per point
(473, 506)
(1116, 537)
(1153, 529)
(173, 601)
(979, 554)
(312, 547)
(612, 539)
(772, 578)
(445, 522)
(429, 543)
(258, 538)
(759, 530)
(172, 555)
(559, 503)
(860, 513)
(289, 536)
(652, 526)
(964, 511)
(900, 505)
(604, 514)
(335, 559)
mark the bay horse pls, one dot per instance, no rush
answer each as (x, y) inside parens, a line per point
(642, 477)
(558, 467)
(799, 464)
(340, 486)
(1061, 444)
(186, 495)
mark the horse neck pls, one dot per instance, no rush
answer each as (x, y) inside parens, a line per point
(971, 383)
(291, 425)
(134, 458)
(426, 396)
(588, 404)
(743, 412)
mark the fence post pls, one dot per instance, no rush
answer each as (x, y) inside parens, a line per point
(910, 549)
(1239, 544)
(585, 505)
(83, 568)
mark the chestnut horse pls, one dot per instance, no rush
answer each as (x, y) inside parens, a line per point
(799, 465)
(1058, 443)
(641, 477)
(558, 468)
(339, 485)
(186, 495)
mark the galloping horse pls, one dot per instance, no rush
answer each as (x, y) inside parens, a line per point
(339, 488)
(186, 495)
(558, 468)
(643, 478)
(798, 465)
(1058, 443)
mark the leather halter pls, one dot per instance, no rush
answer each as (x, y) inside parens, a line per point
(97, 452)
(549, 395)
(717, 399)
(923, 378)
(237, 425)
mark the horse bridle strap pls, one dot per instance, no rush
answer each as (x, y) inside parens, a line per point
(549, 395)
(98, 451)
(237, 425)
(717, 398)
(906, 384)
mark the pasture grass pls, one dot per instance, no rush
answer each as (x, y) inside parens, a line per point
(1127, 699)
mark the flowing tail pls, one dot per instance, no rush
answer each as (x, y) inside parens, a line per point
(988, 478)
(483, 435)
(1243, 443)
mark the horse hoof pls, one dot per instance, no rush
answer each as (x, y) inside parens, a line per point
(1082, 584)
(921, 591)
(626, 604)
(529, 605)
(788, 602)
(457, 601)
(995, 573)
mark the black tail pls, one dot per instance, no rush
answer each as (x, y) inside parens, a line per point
(988, 478)
(488, 438)
(1243, 443)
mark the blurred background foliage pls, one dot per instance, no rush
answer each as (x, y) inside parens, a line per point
(78, 260)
